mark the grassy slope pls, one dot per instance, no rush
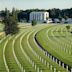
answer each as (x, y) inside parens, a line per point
(26, 38)
(38, 51)
(45, 42)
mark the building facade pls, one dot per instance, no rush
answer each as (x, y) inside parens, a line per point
(39, 16)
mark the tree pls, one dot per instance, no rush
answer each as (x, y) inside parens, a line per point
(10, 22)
(60, 17)
(15, 14)
(66, 17)
(34, 22)
(68, 27)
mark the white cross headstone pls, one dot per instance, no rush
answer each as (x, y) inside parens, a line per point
(53, 58)
(42, 60)
(48, 55)
(63, 65)
(71, 69)
(59, 63)
(35, 66)
(56, 60)
(51, 67)
(67, 68)
(47, 64)
(24, 70)
(54, 69)
(38, 69)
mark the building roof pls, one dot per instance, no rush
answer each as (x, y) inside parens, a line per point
(39, 12)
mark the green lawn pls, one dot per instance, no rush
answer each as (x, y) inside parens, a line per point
(21, 53)
(58, 42)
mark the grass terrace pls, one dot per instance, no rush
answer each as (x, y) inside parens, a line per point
(40, 48)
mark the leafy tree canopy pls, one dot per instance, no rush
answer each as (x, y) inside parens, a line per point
(10, 22)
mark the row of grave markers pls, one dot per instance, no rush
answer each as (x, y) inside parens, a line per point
(67, 51)
(58, 61)
(64, 49)
(42, 60)
(55, 59)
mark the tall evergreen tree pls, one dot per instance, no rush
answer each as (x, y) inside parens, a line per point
(10, 22)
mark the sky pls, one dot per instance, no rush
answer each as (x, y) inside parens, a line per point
(32, 4)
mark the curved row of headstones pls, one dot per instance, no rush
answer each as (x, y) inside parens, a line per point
(6, 66)
(67, 46)
(29, 59)
(66, 50)
(68, 43)
(39, 57)
(63, 49)
(8, 70)
(32, 62)
(2, 39)
(54, 58)
(60, 47)
(63, 63)
(45, 62)
(21, 67)
(19, 64)
(58, 61)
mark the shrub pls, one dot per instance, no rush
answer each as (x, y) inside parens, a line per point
(68, 27)
(34, 22)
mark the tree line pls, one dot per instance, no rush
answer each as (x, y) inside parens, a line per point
(11, 19)
(23, 15)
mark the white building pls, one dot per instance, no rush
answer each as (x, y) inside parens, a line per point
(39, 16)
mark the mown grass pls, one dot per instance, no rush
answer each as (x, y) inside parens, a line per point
(42, 54)
(48, 41)
(22, 51)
